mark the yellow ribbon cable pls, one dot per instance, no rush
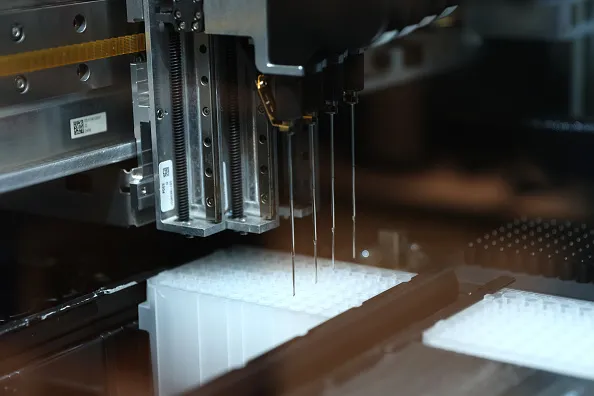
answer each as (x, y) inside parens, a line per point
(49, 58)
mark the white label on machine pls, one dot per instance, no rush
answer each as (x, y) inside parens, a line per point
(166, 190)
(88, 125)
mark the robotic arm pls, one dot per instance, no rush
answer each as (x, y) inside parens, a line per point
(225, 76)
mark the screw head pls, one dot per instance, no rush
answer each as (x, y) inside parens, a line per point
(177, 14)
(198, 15)
(205, 111)
(209, 202)
(264, 198)
(21, 84)
(261, 109)
(16, 32)
(181, 26)
(195, 26)
(160, 114)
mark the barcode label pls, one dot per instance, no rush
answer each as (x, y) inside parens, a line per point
(166, 190)
(88, 125)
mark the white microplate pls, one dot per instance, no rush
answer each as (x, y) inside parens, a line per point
(528, 329)
(217, 313)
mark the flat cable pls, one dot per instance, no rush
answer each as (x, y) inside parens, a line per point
(49, 58)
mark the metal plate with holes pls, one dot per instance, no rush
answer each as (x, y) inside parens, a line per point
(62, 25)
(64, 80)
(206, 170)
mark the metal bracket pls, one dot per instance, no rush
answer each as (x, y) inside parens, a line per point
(269, 104)
(186, 16)
(247, 19)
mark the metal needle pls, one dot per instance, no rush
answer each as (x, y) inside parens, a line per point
(332, 185)
(313, 196)
(353, 175)
(291, 203)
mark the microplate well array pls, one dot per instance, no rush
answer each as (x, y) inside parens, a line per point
(217, 313)
(528, 329)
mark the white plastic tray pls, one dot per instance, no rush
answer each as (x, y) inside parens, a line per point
(528, 329)
(215, 314)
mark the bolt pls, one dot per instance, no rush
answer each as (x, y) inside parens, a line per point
(160, 114)
(16, 32)
(21, 84)
(177, 14)
(143, 190)
(264, 198)
(209, 202)
(198, 15)
(261, 109)
(181, 26)
(205, 111)
(195, 26)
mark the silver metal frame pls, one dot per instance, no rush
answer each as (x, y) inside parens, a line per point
(35, 141)
(207, 152)
(258, 148)
(200, 224)
(69, 164)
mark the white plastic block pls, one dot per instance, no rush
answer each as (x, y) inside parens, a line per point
(528, 329)
(217, 313)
